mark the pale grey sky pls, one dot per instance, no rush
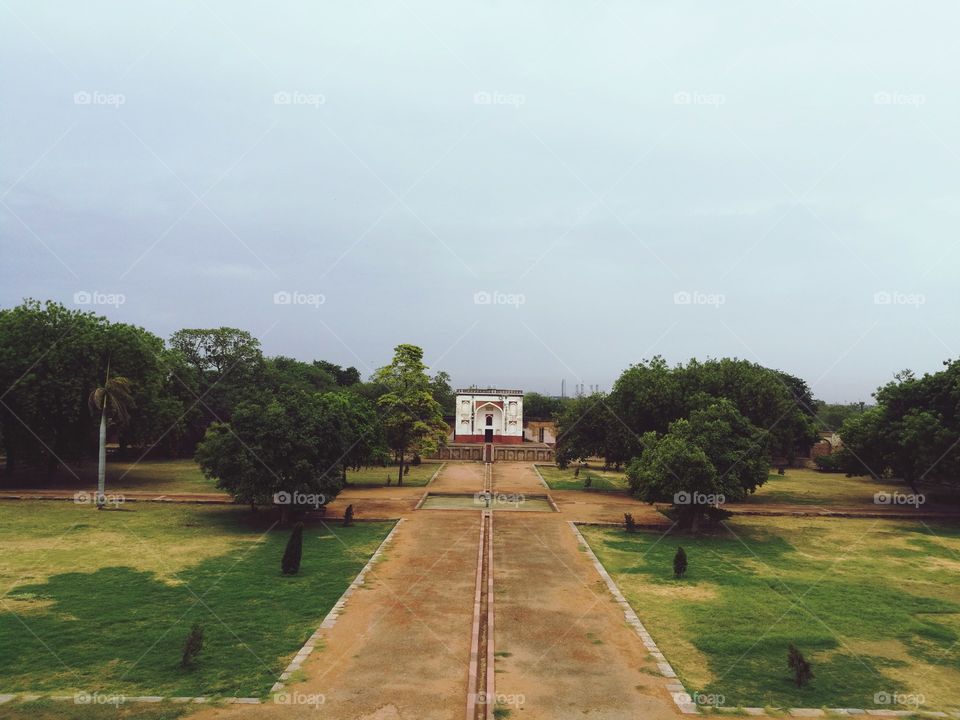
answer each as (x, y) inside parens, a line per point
(529, 191)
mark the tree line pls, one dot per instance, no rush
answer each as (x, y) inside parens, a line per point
(911, 433)
(704, 433)
(259, 425)
(693, 435)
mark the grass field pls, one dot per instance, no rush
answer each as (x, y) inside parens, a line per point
(418, 475)
(559, 479)
(165, 476)
(181, 476)
(873, 604)
(800, 486)
(46, 709)
(102, 601)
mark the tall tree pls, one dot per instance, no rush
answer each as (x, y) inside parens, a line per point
(226, 365)
(443, 392)
(583, 427)
(50, 358)
(542, 407)
(912, 433)
(112, 401)
(412, 418)
(277, 449)
(344, 377)
(714, 456)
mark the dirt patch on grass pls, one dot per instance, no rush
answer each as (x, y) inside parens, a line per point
(22, 604)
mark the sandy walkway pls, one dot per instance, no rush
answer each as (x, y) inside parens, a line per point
(563, 648)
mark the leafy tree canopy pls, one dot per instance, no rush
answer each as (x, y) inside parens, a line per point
(412, 418)
(913, 433)
(295, 443)
(714, 456)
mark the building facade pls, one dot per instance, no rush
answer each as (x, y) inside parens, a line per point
(540, 431)
(488, 415)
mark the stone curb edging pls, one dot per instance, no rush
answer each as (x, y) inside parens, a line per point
(679, 695)
(675, 687)
(434, 476)
(331, 618)
(542, 480)
(491, 654)
(473, 679)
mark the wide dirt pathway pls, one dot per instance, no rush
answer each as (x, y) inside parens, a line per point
(563, 648)
(400, 649)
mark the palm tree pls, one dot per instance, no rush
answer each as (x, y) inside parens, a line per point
(113, 400)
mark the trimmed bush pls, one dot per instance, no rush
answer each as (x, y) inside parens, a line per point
(290, 565)
(348, 516)
(192, 646)
(629, 523)
(679, 563)
(802, 674)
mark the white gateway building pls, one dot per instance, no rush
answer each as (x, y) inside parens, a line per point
(489, 415)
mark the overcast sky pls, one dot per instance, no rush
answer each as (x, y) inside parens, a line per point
(530, 191)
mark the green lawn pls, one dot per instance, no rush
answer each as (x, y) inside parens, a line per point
(799, 486)
(873, 604)
(181, 476)
(46, 709)
(102, 601)
(165, 476)
(810, 487)
(559, 479)
(374, 475)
